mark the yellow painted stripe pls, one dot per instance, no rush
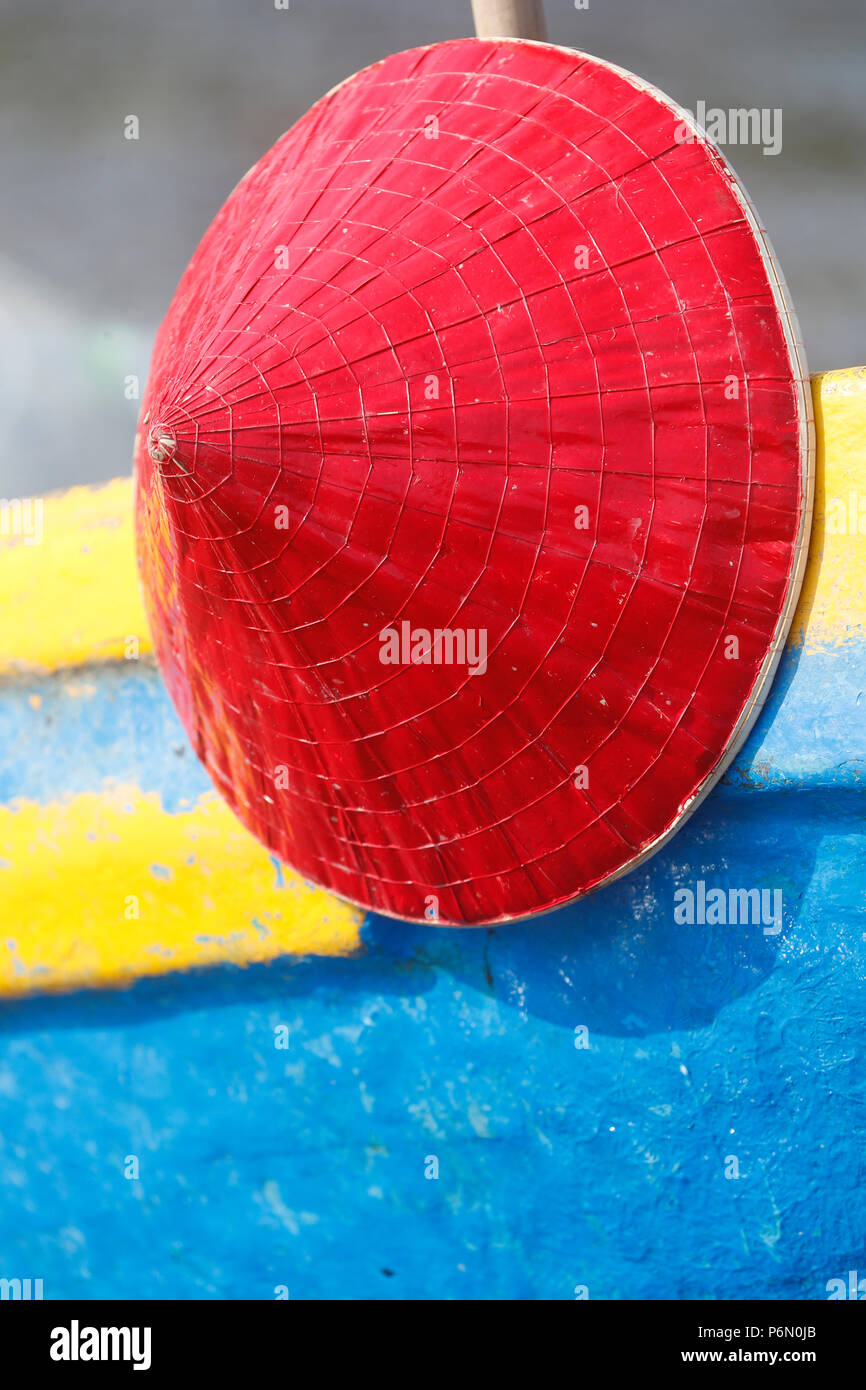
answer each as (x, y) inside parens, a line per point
(832, 607)
(68, 580)
(105, 888)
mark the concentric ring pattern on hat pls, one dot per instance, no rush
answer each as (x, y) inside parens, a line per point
(474, 481)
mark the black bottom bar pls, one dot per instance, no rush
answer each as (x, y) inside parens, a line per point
(162, 1339)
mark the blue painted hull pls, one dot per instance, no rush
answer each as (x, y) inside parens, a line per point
(584, 1082)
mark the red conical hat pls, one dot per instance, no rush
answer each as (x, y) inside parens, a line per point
(474, 481)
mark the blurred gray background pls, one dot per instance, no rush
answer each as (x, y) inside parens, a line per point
(95, 230)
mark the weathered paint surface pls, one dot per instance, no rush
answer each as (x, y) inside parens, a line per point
(601, 1164)
(72, 597)
(132, 865)
(558, 1166)
(121, 869)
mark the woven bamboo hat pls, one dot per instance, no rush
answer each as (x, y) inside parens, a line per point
(474, 476)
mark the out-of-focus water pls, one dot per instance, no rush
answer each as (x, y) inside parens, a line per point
(95, 230)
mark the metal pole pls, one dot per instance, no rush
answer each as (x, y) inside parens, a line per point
(509, 19)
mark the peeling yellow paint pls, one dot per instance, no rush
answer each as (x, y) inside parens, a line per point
(832, 600)
(74, 596)
(107, 887)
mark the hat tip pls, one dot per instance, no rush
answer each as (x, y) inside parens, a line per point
(162, 445)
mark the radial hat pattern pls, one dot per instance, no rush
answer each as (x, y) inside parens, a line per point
(474, 482)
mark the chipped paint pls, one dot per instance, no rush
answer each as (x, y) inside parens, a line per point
(74, 597)
(104, 888)
(602, 1166)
